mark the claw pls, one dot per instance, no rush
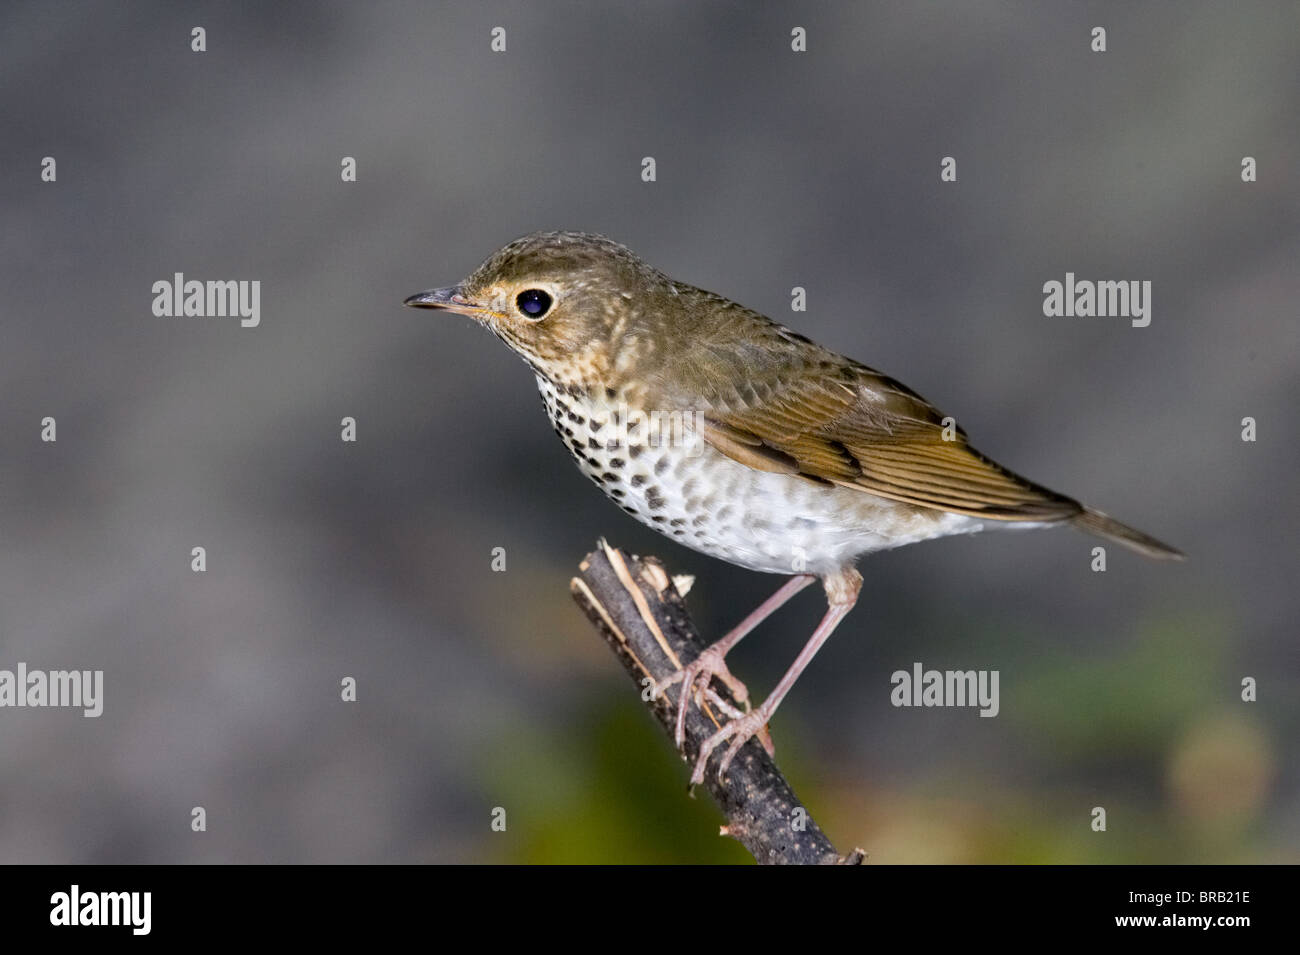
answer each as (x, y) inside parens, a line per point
(695, 678)
(740, 731)
(711, 695)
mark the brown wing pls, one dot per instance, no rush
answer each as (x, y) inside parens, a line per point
(831, 420)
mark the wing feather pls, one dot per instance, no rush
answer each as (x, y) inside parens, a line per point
(851, 426)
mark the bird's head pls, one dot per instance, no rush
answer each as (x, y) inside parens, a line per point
(570, 303)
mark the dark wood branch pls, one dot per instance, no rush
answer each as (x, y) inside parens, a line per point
(635, 605)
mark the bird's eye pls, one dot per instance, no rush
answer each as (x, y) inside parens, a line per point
(533, 302)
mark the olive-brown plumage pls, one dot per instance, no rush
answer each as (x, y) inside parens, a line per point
(739, 437)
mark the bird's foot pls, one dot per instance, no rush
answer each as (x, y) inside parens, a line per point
(695, 678)
(739, 731)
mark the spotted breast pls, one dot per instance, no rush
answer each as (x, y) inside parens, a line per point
(655, 468)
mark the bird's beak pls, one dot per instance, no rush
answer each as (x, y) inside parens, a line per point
(451, 299)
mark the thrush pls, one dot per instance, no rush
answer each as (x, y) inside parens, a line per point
(740, 438)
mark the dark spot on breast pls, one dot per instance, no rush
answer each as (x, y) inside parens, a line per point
(612, 444)
(662, 465)
(577, 418)
(634, 451)
(653, 499)
(616, 493)
(677, 522)
(637, 480)
(611, 476)
(595, 425)
(611, 394)
(658, 518)
(616, 463)
(593, 443)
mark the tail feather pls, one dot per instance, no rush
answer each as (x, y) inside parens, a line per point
(1095, 522)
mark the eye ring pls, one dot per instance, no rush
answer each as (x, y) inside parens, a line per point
(533, 303)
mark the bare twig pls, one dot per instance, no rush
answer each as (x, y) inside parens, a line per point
(637, 608)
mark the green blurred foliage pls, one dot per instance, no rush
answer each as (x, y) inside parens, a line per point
(1127, 728)
(608, 790)
(1131, 702)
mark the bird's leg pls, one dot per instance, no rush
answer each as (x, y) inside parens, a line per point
(841, 594)
(695, 676)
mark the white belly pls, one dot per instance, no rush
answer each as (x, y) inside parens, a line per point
(697, 496)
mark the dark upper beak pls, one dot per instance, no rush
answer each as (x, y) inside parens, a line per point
(450, 298)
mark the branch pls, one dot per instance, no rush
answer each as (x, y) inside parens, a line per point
(638, 610)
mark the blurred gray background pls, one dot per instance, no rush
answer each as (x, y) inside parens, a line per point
(775, 169)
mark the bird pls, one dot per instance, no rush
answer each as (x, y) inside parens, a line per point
(740, 438)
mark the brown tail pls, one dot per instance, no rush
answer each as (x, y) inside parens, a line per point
(1095, 522)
